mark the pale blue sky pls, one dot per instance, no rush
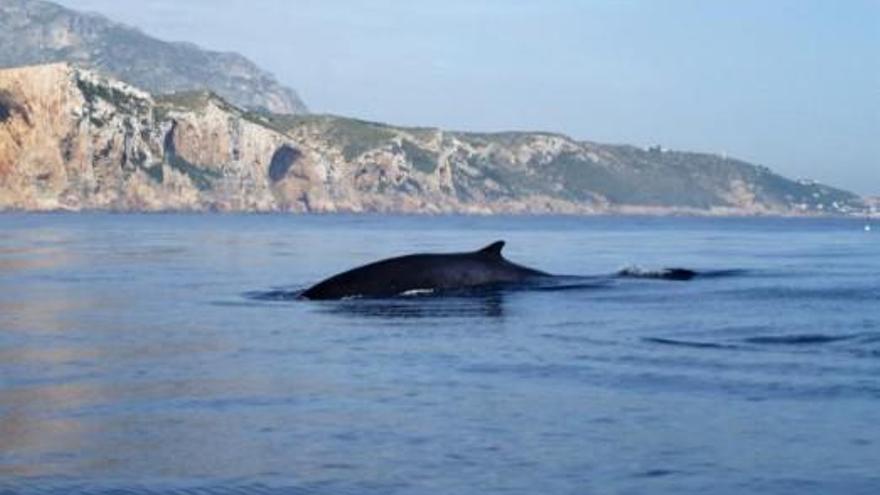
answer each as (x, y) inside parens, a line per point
(794, 85)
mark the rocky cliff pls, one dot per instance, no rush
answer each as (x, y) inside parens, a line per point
(36, 32)
(71, 139)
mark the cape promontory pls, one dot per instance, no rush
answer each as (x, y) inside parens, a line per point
(72, 139)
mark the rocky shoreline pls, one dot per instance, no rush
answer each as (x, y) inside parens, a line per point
(74, 140)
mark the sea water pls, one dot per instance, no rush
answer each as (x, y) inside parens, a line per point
(134, 358)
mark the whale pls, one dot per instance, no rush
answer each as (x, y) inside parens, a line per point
(424, 272)
(436, 272)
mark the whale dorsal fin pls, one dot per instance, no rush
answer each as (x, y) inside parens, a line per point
(492, 250)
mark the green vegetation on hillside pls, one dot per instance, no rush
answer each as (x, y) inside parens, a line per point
(123, 101)
(355, 137)
(423, 160)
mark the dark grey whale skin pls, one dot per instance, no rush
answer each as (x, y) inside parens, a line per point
(395, 276)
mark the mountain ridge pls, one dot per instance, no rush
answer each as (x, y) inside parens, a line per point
(37, 32)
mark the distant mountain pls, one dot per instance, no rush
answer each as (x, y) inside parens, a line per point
(38, 32)
(72, 139)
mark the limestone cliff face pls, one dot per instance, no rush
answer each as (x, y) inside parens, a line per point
(377, 167)
(70, 139)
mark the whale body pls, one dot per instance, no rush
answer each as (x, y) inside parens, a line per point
(432, 272)
(424, 272)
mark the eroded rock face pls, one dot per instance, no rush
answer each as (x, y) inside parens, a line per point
(9, 106)
(71, 139)
(283, 159)
(75, 140)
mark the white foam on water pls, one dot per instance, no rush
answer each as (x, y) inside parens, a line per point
(416, 292)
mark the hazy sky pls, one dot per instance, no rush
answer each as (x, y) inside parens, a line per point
(794, 85)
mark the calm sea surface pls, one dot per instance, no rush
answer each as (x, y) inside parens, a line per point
(135, 358)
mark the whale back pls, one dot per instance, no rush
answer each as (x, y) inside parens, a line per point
(394, 276)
